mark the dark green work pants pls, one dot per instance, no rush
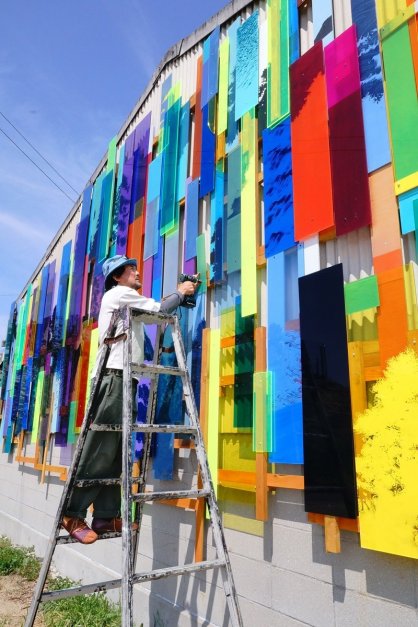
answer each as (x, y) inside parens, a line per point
(101, 457)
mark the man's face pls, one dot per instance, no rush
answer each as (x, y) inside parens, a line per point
(129, 278)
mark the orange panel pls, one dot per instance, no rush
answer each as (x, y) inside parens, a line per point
(135, 245)
(311, 163)
(385, 231)
(388, 261)
(197, 143)
(391, 315)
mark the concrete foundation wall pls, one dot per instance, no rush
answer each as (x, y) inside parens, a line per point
(284, 578)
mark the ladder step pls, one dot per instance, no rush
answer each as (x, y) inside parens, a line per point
(178, 494)
(143, 428)
(152, 575)
(148, 370)
(152, 317)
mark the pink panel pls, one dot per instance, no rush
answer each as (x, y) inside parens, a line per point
(342, 67)
(147, 277)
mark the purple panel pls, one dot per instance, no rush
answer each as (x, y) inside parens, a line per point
(47, 322)
(189, 266)
(147, 277)
(350, 185)
(125, 197)
(140, 154)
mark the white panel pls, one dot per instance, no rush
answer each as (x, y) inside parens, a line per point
(311, 255)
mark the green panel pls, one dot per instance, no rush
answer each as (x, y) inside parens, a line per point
(38, 402)
(262, 412)
(233, 244)
(223, 86)
(201, 261)
(244, 358)
(249, 184)
(402, 101)
(72, 437)
(169, 206)
(361, 295)
(243, 401)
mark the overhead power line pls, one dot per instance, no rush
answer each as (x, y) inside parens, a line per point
(39, 153)
(36, 165)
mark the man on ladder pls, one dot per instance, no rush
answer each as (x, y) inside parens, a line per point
(102, 452)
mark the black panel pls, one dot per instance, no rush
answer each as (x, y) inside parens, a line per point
(330, 486)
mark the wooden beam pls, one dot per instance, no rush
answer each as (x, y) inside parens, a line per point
(290, 482)
(332, 535)
(261, 459)
(346, 524)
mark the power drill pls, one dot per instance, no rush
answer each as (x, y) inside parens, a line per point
(189, 300)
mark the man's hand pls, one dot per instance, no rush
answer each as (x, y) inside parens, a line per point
(188, 287)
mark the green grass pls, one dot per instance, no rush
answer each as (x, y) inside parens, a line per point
(82, 611)
(19, 560)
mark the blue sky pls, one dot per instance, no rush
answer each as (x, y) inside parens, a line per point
(70, 73)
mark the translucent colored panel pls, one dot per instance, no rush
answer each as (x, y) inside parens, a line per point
(388, 9)
(323, 21)
(373, 101)
(169, 207)
(233, 244)
(45, 340)
(402, 101)
(114, 234)
(94, 233)
(262, 412)
(310, 145)
(7, 350)
(294, 30)
(244, 325)
(232, 133)
(350, 183)
(197, 144)
(125, 192)
(273, 74)
(192, 219)
(228, 323)
(210, 66)
(201, 261)
(283, 361)
(386, 464)
(328, 440)
(392, 315)
(223, 86)
(385, 234)
(248, 213)
(411, 287)
(246, 87)
(360, 295)
(183, 151)
(58, 329)
(94, 345)
(151, 229)
(41, 310)
(207, 166)
(278, 189)
(157, 271)
(213, 405)
(227, 361)
(406, 210)
(237, 453)
(262, 78)
(107, 200)
(154, 178)
(171, 262)
(216, 219)
(234, 182)
(243, 401)
(39, 392)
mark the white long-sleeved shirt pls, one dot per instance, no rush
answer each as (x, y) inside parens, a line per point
(113, 299)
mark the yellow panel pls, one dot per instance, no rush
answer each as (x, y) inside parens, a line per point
(37, 410)
(406, 184)
(94, 346)
(228, 322)
(387, 467)
(227, 361)
(223, 86)
(411, 275)
(388, 9)
(262, 412)
(237, 452)
(238, 511)
(226, 412)
(246, 525)
(213, 405)
(362, 325)
(248, 214)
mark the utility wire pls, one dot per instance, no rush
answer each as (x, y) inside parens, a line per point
(40, 154)
(36, 165)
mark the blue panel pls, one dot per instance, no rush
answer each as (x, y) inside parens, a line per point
(283, 360)
(294, 48)
(373, 101)
(11, 327)
(323, 26)
(94, 233)
(125, 192)
(157, 271)
(140, 155)
(406, 210)
(234, 182)
(207, 167)
(41, 311)
(232, 130)
(105, 214)
(151, 229)
(278, 189)
(58, 330)
(216, 227)
(112, 248)
(171, 262)
(210, 67)
(183, 152)
(169, 206)
(246, 88)
(192, 219)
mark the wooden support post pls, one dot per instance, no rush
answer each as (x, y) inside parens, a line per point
(261, 491)
(332, 535)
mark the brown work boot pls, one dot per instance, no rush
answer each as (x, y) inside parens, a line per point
(79, 530)
(109, 525)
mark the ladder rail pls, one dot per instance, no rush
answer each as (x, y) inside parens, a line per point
(71, 477)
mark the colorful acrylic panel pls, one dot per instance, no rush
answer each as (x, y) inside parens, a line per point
(330, 486)
(246, 87)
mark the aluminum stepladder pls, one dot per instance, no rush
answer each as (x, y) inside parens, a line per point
(127, 481)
